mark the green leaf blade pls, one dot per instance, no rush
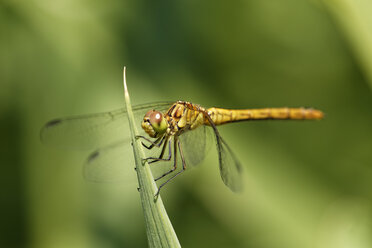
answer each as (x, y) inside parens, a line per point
(160, 232)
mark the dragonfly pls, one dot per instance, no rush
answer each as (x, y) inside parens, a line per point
(183, 128)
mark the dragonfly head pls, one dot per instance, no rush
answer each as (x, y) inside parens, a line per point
(154, 124)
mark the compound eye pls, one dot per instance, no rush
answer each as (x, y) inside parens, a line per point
(148, 114)
(155, 117)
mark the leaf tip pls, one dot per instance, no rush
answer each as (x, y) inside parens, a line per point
(125, 82)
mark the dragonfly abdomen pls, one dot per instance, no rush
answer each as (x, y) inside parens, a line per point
(221, 116)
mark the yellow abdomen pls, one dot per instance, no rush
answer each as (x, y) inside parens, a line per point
(221, 116)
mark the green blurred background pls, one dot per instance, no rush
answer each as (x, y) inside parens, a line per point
(307, 184)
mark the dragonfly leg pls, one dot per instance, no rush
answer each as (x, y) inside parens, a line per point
(158, 142)
(175, 166)
(160, 158)
(174, 163)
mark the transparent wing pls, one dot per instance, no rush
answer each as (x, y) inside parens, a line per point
(94, 130)
(195, 144)
(113, 163)
(230, 168)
